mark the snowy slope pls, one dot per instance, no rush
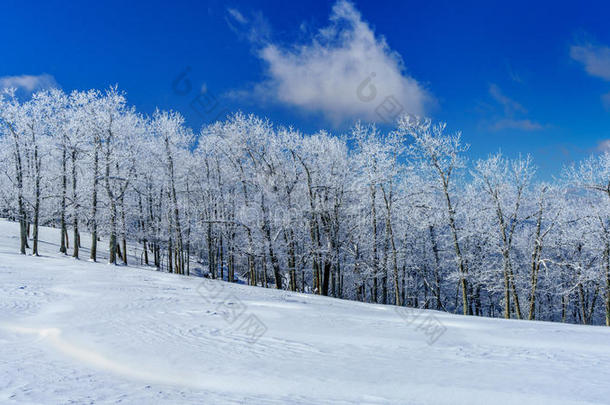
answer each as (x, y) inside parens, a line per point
(90, 333)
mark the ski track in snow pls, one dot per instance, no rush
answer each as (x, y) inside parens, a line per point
(74, 332)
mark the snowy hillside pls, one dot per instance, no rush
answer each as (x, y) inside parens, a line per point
(91, 333)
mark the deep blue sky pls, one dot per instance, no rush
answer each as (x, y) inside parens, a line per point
(469, 56)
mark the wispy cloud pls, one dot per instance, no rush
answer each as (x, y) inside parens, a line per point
(595, 59)
(520, 124)
(510, 105)
(28, 84)
(323, 73)
(514, 76)
(603, 146)
(237, 15)
(254, 28)
(514, 113)
(606, 101)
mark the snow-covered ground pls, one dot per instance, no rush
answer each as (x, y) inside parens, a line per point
(89, 333)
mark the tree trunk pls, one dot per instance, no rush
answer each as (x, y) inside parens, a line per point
(64, 185)
(20, 200)
(388, 204)
(458, 252)
(37, 175)
(292, 261)
(123, 230)
(373, 190)
(75, 205)
(535, 267)
(93, 256)
(178, 230)
(112, 244)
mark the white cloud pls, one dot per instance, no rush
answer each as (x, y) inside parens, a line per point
(28, 83)
(328, 74)
(595, 58)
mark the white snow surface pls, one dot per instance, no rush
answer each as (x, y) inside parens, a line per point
(75, 332)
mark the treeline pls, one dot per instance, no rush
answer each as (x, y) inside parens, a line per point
(398, 218)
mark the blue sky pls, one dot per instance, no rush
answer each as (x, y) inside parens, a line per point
(521, 77)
